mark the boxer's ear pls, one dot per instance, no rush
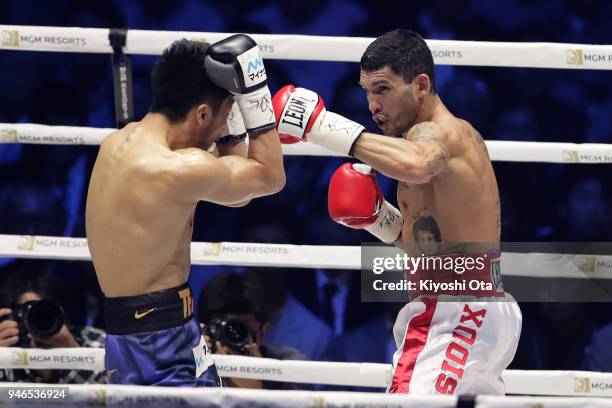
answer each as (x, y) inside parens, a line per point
(423, 84)
(203, 114)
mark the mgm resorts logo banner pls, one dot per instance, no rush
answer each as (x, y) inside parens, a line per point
(10, 38)
(9, 135)
(577, 56)
(20, 358)
(586, 385)
(588, 156)
(34, 242)
(217, 249)
(13, 38)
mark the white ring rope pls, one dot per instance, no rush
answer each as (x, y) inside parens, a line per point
(536, 264)
(532, 382)
(294, 47)
(500, 150)
(318, 48)
(94, 395)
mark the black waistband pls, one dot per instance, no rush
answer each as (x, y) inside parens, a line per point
(149, 312)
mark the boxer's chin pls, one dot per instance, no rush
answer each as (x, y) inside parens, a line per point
(384, 128)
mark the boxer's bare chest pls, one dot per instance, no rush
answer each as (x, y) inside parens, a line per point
(418, 204)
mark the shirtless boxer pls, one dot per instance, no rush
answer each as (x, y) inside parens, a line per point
(447, 194)
(144, 188)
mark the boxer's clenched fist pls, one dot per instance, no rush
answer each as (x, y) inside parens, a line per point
(355, 200)
(300, 114)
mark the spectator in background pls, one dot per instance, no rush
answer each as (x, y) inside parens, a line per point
(92, 72)
(516, 123)
(27, 208)
(231, 300)
(554, 336)
(334, 295)
(598, 353)
(24, 282)
(180, 15)
(599, 123)
(582, 214)
(372, 342)
(291, 323)
(469, 97)
(317, 17)
(61, 165)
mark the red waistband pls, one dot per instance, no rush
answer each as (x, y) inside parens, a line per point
(467, 274)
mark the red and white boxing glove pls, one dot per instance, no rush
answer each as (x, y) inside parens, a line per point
(301, 115)
(355, 200)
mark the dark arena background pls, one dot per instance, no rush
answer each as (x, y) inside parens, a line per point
(558, 92)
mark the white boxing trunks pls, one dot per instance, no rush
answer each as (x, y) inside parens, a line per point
(446, 346)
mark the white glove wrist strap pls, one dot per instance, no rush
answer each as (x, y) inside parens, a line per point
(256, 109)
(335, 132)
(388, 225)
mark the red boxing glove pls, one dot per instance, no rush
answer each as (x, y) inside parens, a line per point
(301, 115)
(355, 200)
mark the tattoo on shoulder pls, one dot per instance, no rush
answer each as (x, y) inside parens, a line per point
(427, 132)
(424, 132)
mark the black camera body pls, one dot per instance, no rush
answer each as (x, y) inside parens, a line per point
(232, 333)
(42, 318)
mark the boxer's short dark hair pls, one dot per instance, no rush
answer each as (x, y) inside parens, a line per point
(179, 81)
(231, 293)
(404, 51)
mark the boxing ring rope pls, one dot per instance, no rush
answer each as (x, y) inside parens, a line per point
(122, 395)
(518, 382)
(533, 265)
(319, 48)
(316, 48)
(499, 150)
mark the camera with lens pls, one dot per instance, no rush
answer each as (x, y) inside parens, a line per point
(42, 318)
(232, 333)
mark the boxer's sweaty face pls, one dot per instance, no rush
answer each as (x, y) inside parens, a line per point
(391, 100)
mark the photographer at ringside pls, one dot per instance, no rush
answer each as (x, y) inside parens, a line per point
(235, 320)
(32, 315)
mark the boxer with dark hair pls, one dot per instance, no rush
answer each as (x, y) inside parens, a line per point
(447, 184)
(145, 185)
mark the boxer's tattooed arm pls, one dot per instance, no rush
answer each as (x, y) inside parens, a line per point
(438, 163)
(429, 132)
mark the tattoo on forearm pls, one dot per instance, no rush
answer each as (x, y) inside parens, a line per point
(426, 132)
(438, 163)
